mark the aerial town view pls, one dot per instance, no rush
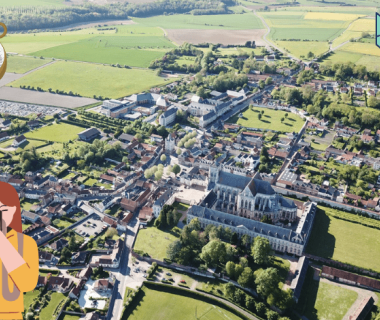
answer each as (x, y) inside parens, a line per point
(190, 159)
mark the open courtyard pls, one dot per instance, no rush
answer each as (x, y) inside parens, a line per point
(271, 119)
(89, 292)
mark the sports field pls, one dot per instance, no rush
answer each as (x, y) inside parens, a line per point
(154, 242)
(19, 64)
(160, 305)
(302, 48)
(89, 79)
(271, 119)
(61, 132)
(328, 301)
(344, 241)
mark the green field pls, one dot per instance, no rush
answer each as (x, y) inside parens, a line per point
(166, 306)
(61, 132)
(125, 50)
(26, 204)
(271, 119)
(48, 311)
(154, 242)
(19, 64)
(222, 21)
(344, 241)
(29, 297)
(40, 3)
(328, 301)
(91, 79)
(25, 146)
(63, 224)
(301, 48)
(287, 25)
(70, 317)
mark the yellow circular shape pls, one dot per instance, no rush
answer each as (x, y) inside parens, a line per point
(3, 64)
(5, 30)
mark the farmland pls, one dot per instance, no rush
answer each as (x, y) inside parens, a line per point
(301, 48)
(180, 21)
(287, 25)
(355, 30)
(332, 238)
(89, 79)
(61, 132)
(19, 64)
(271, 119)
(163, 305)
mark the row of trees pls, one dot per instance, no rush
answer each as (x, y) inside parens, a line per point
(28, 18)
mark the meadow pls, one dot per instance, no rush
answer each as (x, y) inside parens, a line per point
(271, 119)
(355, 30)
(302, 48)
(154, 242)
(36, 3)
(287, 25)
(167, 306)
(32, 42)
(18, 64)
(29, 297)
(345, 241)
(89, 79)
(222, 21)
(61, 132)
(327, 301)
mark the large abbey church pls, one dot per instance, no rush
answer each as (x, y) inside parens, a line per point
(248, 197)
(240, 203)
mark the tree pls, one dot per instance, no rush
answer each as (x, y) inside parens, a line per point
(213, 252)
(247, 278)
(176, 169)
(179, 151)
(72, 243)
(310, 55)
(111, 232)
(259, 116)
(261, 84)
(138, 137)
(201, 92)
(249, 303)
(261, 250)
(268, 81)
(66, 254)
(163, 158)
(173, 249)
(282, 119)
(267, 282)
(158, 175)
(272, 315)
(229, 290)
(230, 269)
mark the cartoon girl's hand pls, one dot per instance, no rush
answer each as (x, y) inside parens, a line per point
(8, 213)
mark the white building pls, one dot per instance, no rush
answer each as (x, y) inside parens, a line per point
(167, 117)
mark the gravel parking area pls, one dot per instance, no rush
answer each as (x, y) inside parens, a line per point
(89, 227)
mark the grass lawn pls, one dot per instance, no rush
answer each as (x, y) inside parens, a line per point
(90, 79)
(19, 64)
(212, 286)
(327, 301)
(61, 132)
(48, 311)
(301, 48)
(25, 226)
(176, 276)
(154, 242)
(333, 238)
(271, 119)
(63, 224)
(167, 306)
(26, 204)
(221, 21)
(181, 206)
(70, 317)
(29, 297)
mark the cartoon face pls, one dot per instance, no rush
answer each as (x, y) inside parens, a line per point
(3, 54)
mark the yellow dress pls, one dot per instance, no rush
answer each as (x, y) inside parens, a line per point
(25, 277)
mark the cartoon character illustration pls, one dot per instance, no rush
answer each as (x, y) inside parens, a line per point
(3, 54)
(18, 256)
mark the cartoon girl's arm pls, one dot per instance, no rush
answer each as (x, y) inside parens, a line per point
(25, 272)
(9, 255)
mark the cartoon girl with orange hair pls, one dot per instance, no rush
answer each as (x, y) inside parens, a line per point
(18, 256)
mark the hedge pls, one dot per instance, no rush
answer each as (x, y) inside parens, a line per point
(75, 123)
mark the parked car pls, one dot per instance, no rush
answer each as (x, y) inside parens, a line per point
(183, 281)
(168, 274)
